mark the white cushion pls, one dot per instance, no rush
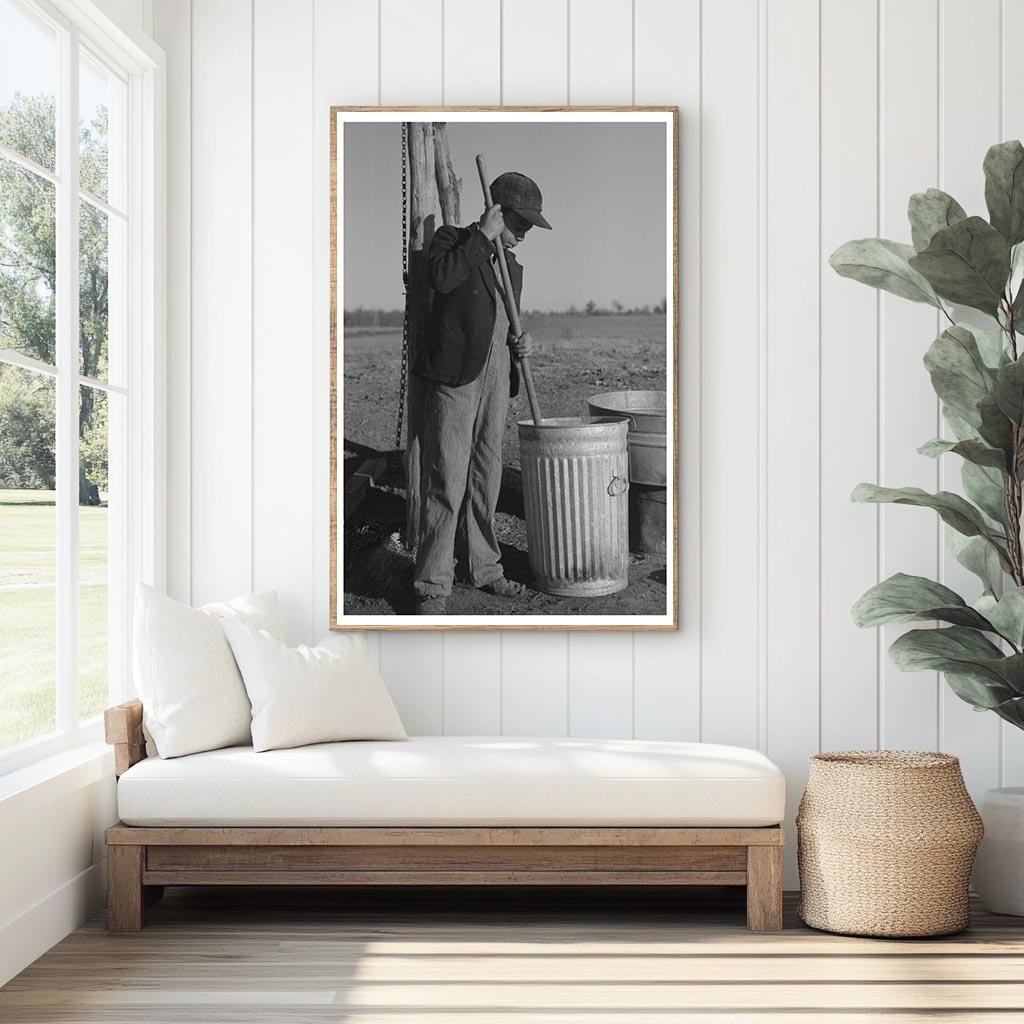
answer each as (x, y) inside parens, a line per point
(457, 780)
(191, 691)
(309, 694)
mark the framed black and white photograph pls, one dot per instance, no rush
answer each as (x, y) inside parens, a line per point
(504, 344)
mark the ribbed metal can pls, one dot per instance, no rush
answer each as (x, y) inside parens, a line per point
(575, 489)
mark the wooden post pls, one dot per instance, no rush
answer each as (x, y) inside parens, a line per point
(434, 192)
(449, 187)
(125, 898)
(764, 888)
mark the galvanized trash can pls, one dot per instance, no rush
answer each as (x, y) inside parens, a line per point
(648, 534)
(575, 489)
(647, 412)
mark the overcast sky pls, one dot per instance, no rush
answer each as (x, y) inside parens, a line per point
(604, 196)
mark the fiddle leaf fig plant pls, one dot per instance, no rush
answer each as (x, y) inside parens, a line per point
(978, 375)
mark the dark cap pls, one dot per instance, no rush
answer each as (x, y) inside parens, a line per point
(517, 192)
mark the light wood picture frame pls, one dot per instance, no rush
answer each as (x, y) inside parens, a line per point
(424, 438)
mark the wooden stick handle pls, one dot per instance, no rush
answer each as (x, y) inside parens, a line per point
(510, 299)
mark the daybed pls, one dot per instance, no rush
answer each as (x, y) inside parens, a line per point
(444, 811)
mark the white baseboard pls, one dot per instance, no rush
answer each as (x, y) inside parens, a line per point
(26, 937)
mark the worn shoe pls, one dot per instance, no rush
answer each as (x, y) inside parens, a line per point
(431, 606)
(504, 587)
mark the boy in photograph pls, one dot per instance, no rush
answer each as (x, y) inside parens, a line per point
(468, 371)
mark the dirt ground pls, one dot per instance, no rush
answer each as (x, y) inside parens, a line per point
(575, 358)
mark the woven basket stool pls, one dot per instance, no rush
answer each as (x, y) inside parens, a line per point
(885, 843)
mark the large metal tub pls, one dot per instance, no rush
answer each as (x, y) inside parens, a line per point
(575, 489)
(647, 412)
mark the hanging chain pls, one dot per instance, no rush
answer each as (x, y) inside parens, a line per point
(405, 284)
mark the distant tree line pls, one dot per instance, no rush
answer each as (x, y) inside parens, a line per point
(361, 317)
(28, 287)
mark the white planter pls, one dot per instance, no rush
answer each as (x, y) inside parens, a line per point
(999, 867)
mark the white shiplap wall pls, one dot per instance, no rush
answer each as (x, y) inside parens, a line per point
(804, 123)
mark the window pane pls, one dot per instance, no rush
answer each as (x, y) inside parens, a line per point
(101, 102)
(28, 263)
(28, 85)
(28, 546)
(101, 281)
(93, 551)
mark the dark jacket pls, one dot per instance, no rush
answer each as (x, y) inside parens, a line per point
(457, 336)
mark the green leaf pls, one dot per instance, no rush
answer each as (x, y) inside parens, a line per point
(1016, 270)
(973, 451)
(985, 487)
(952, 509)
(996, 428)
(976, 555)
(1009, 390)
(962, 430)
(1017, 307)
(883, 264)
(932, 211)
(990, 345)
(1004, 189)
(963, 652)
(903, 598)
(967, 263)
(980, 692)
(958, 372)
(1011, 711)
(1006, 614)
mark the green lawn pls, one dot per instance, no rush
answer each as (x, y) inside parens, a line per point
(28, 524)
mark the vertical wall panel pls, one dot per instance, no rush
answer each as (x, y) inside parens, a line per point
(535, 51)
(344, 54)
(909, 414)
(414, 673)
(601, 684)
(472, 52)
(666, 666)
(969, 124)
(1012, 127)
(792, 417)
(730, 191)
(472, 685)
(373, 646)
(535, 684)
(601, 52)
(745, 74)
(410, 51)
(849, 369)
(221, 371)
(283, 308)
(173, 30)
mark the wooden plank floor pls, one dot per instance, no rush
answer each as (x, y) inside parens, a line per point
(219, 956)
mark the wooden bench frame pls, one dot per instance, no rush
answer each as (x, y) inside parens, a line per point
(142, 860)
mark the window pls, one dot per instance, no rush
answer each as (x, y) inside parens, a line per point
(76, 339)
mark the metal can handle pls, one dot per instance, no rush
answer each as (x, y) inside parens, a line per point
(619, 485)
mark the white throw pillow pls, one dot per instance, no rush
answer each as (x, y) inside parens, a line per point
(309, 694)
(192, 693)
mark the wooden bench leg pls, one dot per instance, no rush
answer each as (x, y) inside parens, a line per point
(764, 888)
(125, 896)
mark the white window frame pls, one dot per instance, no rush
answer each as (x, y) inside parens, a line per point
(141, 64)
